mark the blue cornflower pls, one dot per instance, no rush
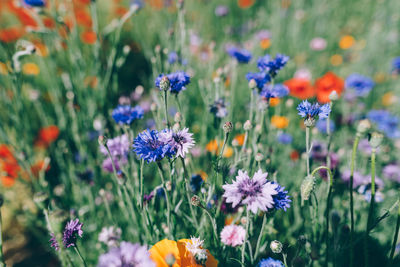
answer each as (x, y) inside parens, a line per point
(172, 57)
(150, 148)
(270, 262)
(241, 55)
(195, 183)
(285, 138)
(272, 66)
(386, 122)
(360, 83)
(178, 80)
(36, 3)
(321, 126)
(126, 114)
(396, 64)
(218, 108)
(261, 78)
(278, 90)
(310, 111)
(281, 200)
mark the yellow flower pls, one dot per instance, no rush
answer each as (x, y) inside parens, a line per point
(265, 43)
(279, 122)
(30, 69)
(389, 99)
(214, 147)
(274, 101)
(336, 60)
(346, 42)
(3, 68)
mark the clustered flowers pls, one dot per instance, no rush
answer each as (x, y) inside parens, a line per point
(177, 81)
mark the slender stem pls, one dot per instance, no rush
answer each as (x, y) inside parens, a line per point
(246, 237)
(214, 225)
(353, 159)
(161, 172)
(2, 262)
(308, 149)
(166, 107)
(188, 193)
(328, 132)
(371, 206)
(396, 233)
(284, 256)
(141, 184)
(79, 254)
(260, 235)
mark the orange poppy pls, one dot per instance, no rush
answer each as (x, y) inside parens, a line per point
(240, 139)
(11, 34)
(245, 3)
(213, 147)
(47, 135)
(346, 42)
(300, 88)
(89, 37)
(83, 17)
(30, 69)
(183, 257)
(279, 122)
(294, 156)
(265, 43)
(326, 84)
(274, 101)
(9, 168)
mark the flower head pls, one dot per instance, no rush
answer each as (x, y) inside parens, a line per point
(180, 141)
(300, 88)
(392, 172)
(127, 255)
(149, 147)
(284, 138)
(361, 84)
(386, 122)
(72, 230)
(219, 108)
(110, 236)
(310, 111)
(118, 146)
(177, 81)
(281, 200)
(270, 262)
(277, 90)
(241, 55)
(257, 192)
(35, 3)
(272, 66)
(261, 78)
(326, 84)
(127, 114)
(53, 242)
(233, 235)
(396, 64)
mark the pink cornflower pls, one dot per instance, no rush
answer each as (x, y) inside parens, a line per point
(233, 235)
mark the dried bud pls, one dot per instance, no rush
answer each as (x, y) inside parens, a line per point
(247, 125)
(375, 140)
(201, 257)
(195, 200)
(363, 127)
(176, 127)
(259, 157)
(333, 96)
(153, 107)
(235, 143)
(252, 84)
(307, 187)
(228, 127)
(276, 246)
(102, 140)
(164, 83)
(309, 122)
(178, 117)
(40, 198)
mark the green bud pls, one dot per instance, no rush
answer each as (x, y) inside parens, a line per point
(375, 140)
(228, 127)
(276, 246)
(307, 187)
(164, 83)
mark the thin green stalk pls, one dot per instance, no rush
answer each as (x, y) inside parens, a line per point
(166, 107)
(308, 149)
(2, 262)
(284, 256)
(141, 184)
(161, 172)
(328, 132)
(353, 159)
(396, 234)
(246, 237)
(371, 206)
(79, 254)
(186, 174)
(264, 222)
(213, 223)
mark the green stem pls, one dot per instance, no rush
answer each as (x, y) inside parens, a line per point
(246, 237)
(166, 107)
(141, 184)
(353, 159)
(328, 132)
(396, 233)
(284, 256)
(308, 149)
(161, 172)
(371, 206)
(214, 225)
(264, 222)
(194, 218)
(79, 254)
(2, 262)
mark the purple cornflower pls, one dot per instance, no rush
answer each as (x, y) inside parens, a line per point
(281, 200)
(396, 64)
(110, 236)
(386, 122)
(321, 125)
(35, 3)
(270, 91)
(270, 262)
(219, 108)
(149, 147)
(241, 55)
(107, 164)
(361, 84)
(177, 80)
(53, 242)
(118, 146)
(257, 192)
(392, 172)
(221, 11)
(285, 138)
(180, 141)
(310, 111)
(72, 230)
(127, 114)
(261, 78)
(126, 255)
(272, 66)
(172, 57)
(358, 178)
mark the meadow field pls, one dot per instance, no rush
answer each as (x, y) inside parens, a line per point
(166, 133)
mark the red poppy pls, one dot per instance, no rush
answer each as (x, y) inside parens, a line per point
(326, 84)
(47, 135)
(9, 168)
(11, 34)
(245, 3)
(300, 88)
(88, 37)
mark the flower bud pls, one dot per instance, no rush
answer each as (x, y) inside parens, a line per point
(252, 84)
(195, 200)
(309, 122)
(333, 96)
(276, 246)
(375, 140)
(259, 157)
(178, 117)
(102, 140)
(247, 126)
(363, 126)
(164, 83)
(175, 127)
(235, 143)
(201, 257)
(228, 127)
(153, 107)
(307, 187)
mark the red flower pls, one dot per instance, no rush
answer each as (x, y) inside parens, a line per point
(326, 84)
(9, 168)
(300, 88)
(47, 135)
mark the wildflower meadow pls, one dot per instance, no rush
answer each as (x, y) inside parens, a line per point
(166, 133)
